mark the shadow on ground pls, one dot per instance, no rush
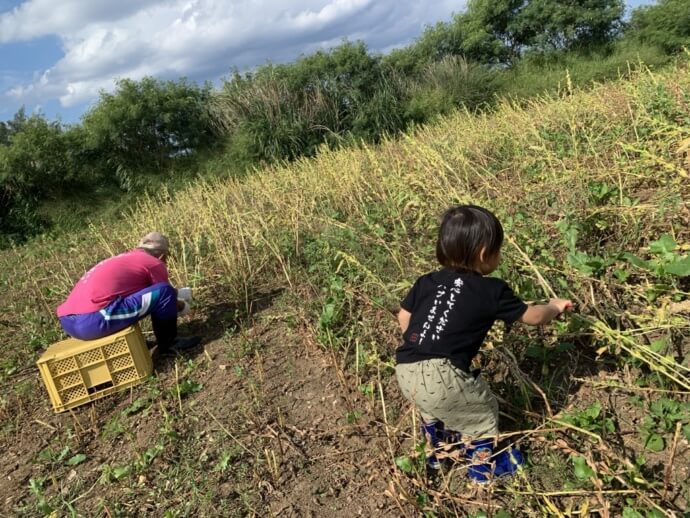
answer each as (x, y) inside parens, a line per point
(214, 320)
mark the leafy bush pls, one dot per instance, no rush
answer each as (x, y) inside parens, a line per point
(37, 161)
(665, 24)
(447, 84)
(287, 111)
(266, 120)
(141, 127)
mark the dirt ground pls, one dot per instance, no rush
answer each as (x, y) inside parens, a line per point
(283, 404)
(273, 424)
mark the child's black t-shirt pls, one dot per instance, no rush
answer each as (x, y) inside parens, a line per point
(451, 314)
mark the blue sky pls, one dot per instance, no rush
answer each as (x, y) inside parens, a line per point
(56, 55)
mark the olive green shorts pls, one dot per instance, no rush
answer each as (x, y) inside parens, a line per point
(441, 391)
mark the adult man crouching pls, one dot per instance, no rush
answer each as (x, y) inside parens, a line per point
(122, 290)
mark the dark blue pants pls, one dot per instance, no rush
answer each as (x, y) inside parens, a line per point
(158, 300)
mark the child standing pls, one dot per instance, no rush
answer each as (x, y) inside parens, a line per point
(445, 318)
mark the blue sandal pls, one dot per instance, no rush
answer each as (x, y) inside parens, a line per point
(432, 434)
(486, 465)
(440, 438)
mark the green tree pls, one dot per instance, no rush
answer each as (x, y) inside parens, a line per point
(4, 134)
(347, 68)
(35, 160)
(435, 43)
(502, 30)
(666, 24)
(35, 165)
(489, 31)
(142, 126)
(12, 126)
(546, 25)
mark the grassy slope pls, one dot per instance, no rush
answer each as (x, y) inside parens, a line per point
(532, 76)
(577, 181)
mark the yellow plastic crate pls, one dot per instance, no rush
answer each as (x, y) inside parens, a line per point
(76, 372)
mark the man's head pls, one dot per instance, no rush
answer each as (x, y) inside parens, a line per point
(155, 244)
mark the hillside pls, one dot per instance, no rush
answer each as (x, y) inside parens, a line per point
(292, 408)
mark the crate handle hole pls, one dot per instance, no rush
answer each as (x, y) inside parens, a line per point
(100, 386)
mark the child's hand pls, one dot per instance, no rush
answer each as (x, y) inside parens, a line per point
(544, 313)
(561, 305)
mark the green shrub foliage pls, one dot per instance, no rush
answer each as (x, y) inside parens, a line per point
(149, 131)
(665, 24)
(137, 131)
(144, 125)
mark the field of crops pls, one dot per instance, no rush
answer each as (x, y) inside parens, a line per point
(292, 408)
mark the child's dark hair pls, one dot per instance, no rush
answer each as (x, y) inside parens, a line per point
(465, 230)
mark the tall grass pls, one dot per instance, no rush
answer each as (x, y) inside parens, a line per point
(579, 180)
(541, 73)
(447, 84)
(267, 119)
(535, 165)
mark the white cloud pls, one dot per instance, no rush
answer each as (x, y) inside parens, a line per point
(42, 17)
(201, 39)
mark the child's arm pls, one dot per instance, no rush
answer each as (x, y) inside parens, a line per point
(404, 319)
(544, 313)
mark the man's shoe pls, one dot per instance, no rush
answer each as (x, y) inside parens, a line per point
(188, 342)
(182, 344)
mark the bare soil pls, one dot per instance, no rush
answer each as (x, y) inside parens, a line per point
(283, 407)
(273, 424)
